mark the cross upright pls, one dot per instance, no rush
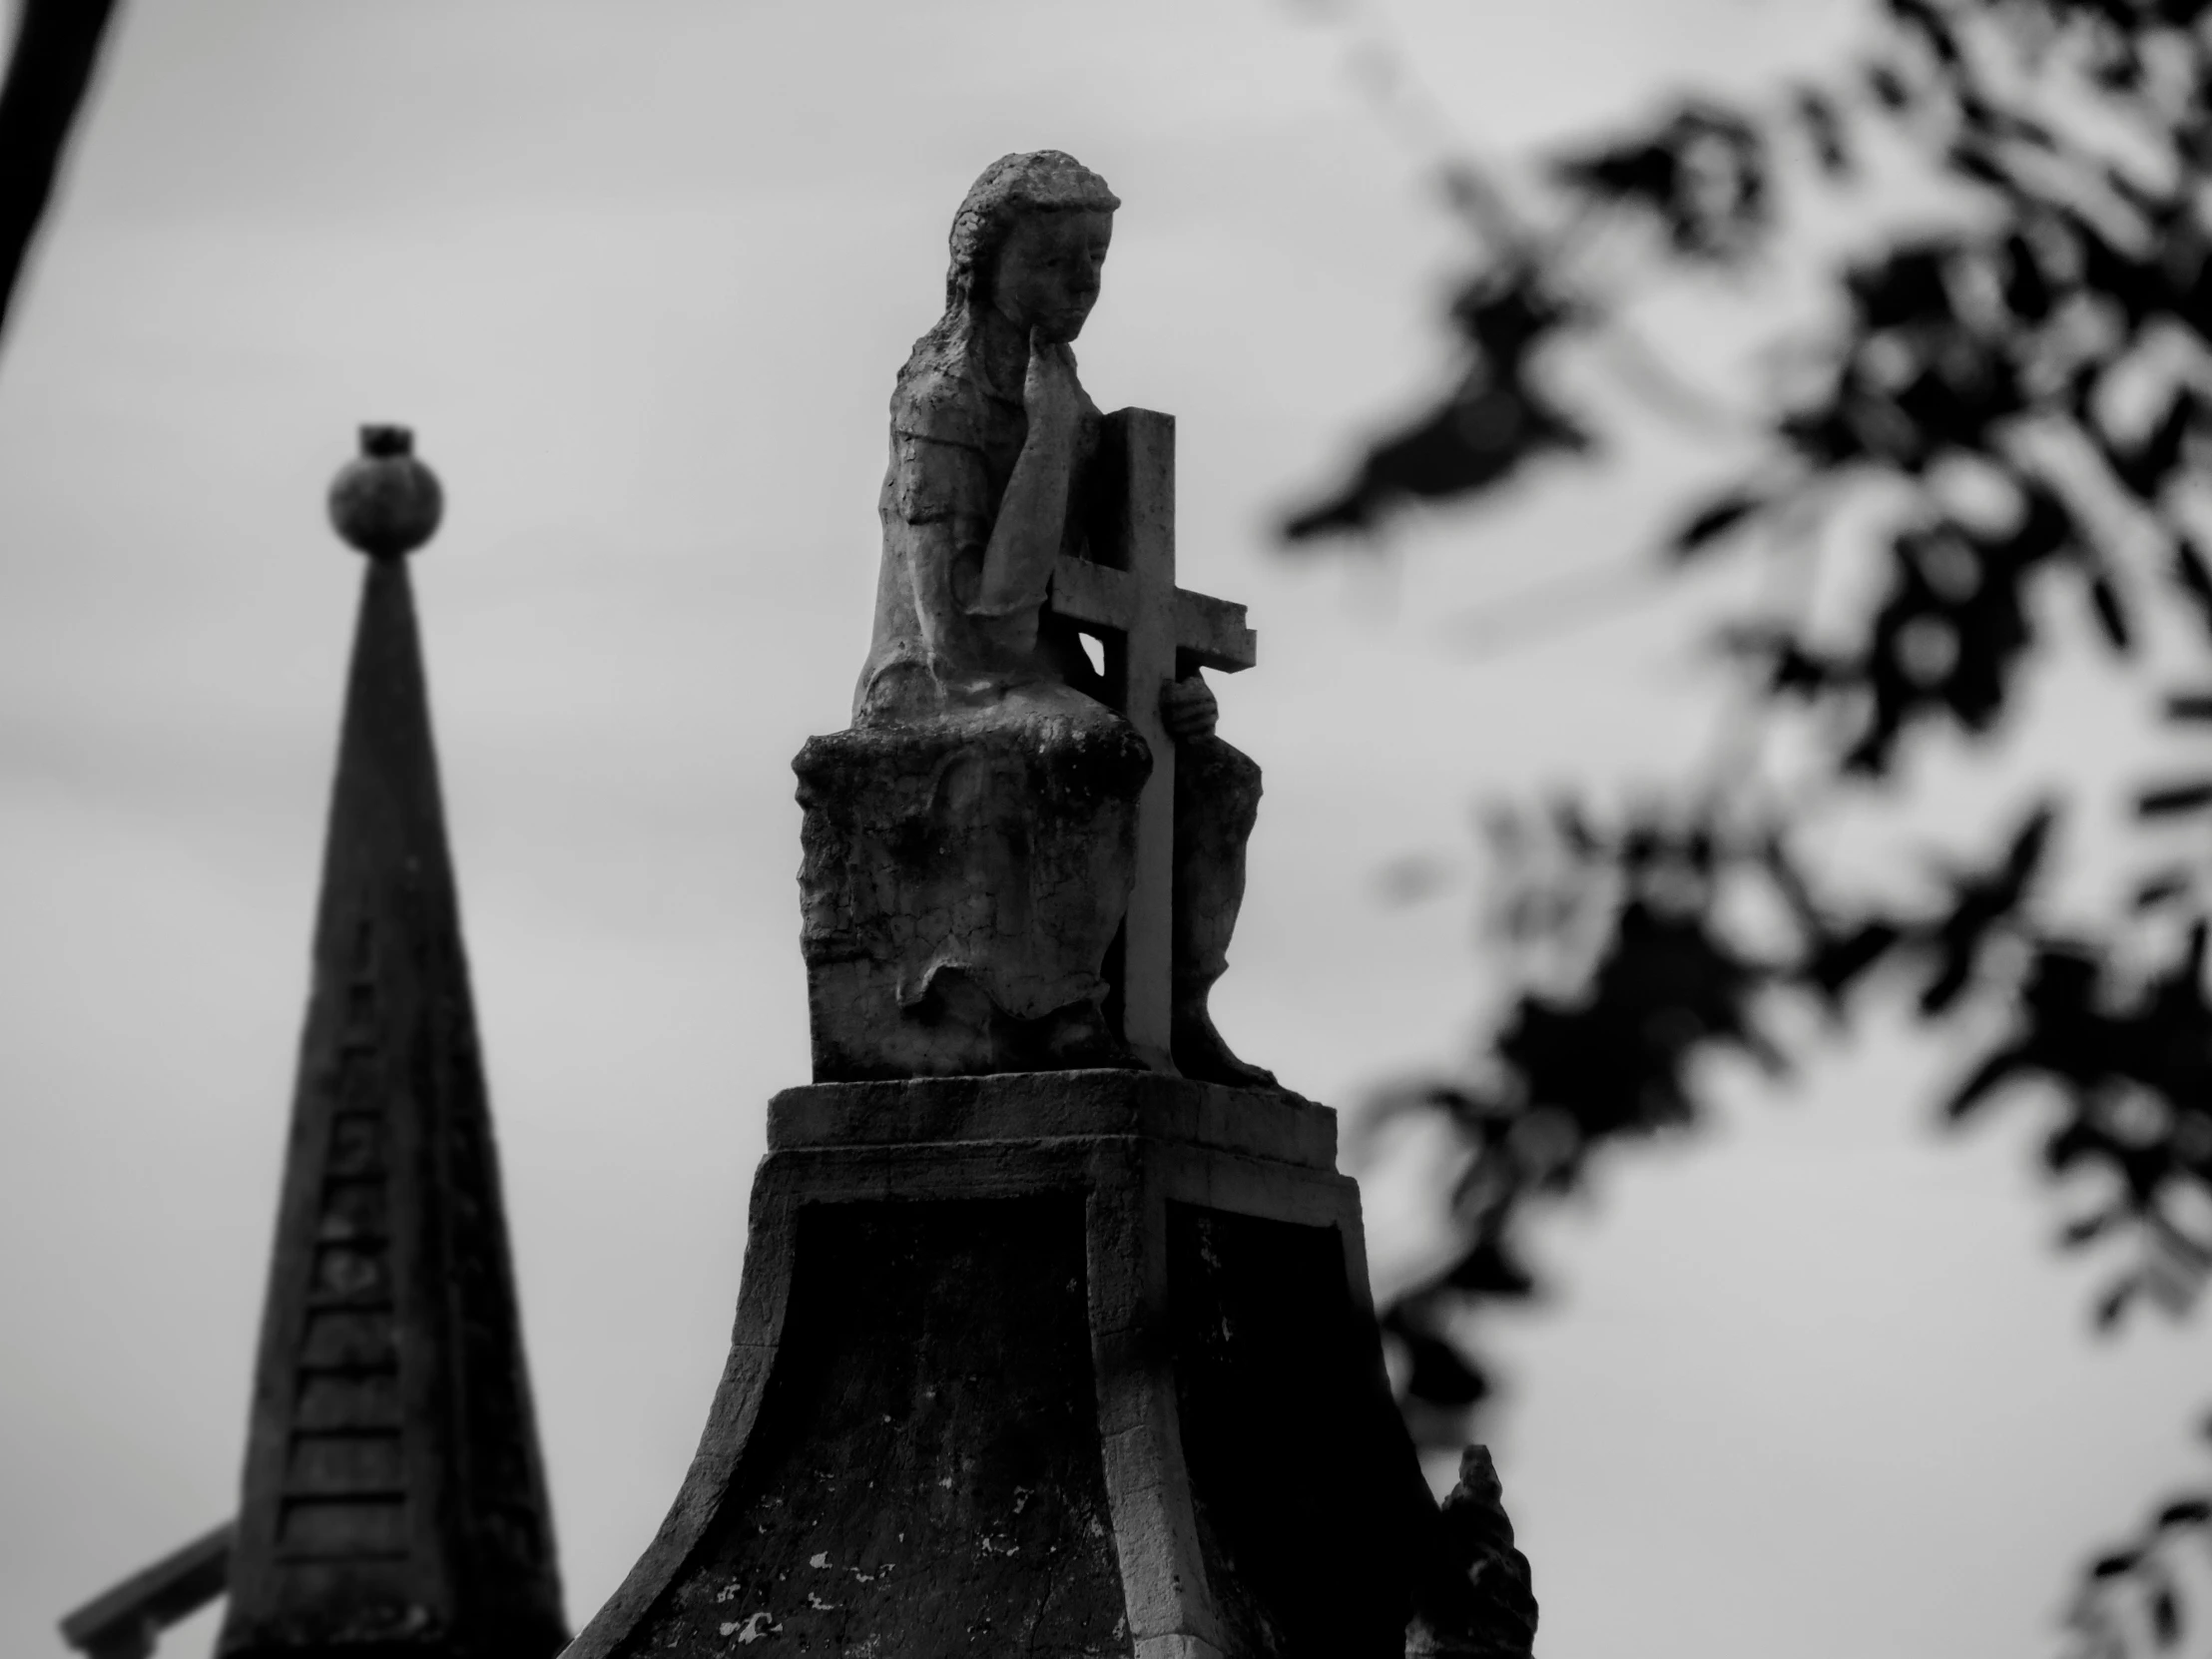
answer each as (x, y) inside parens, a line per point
(1154, 631)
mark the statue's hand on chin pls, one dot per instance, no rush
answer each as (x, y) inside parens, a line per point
(1050, 393)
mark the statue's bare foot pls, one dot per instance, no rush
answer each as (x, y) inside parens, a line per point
(1080, 1038)
(1200, 1053)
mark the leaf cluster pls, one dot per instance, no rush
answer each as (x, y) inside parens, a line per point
(2003, 425)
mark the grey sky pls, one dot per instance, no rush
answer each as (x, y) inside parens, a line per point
(640, 276)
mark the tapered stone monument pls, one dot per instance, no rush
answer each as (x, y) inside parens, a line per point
(392, 1504)
(1055, 1336)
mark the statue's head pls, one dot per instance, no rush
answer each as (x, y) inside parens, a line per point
(1030, 241)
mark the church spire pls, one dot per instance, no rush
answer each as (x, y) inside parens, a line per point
(393, 1500)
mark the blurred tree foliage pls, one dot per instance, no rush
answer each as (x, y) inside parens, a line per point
(2002, 423)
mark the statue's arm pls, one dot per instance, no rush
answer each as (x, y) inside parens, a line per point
(1032, 515)
(936, 528)
(1032, 519)
(938, 557)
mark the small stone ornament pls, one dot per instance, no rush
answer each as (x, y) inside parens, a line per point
(1488, 1607)
(385, 502)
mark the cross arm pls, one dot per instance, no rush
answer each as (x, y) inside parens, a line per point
(1211, 630)
(1214, 632)
(1093, 593)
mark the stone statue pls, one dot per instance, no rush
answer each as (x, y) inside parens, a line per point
(971, 842)
(1028, 1321)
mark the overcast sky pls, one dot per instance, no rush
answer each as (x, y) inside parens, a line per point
(640, 276)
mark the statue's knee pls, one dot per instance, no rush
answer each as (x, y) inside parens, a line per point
(1216, 786)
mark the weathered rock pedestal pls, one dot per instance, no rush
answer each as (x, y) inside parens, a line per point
(1057, 1363)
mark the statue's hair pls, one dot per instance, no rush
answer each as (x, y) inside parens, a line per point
(1011, 188)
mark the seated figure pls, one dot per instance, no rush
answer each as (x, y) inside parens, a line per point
(970, 841)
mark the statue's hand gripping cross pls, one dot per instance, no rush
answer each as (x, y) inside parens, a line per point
(1152, 629)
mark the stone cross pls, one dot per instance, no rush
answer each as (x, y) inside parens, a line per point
(1153, 630)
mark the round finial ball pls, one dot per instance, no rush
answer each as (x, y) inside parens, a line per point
(384, 502)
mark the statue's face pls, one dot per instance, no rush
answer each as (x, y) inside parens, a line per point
(1046, 274)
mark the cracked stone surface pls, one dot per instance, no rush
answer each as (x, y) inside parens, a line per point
(961, 881)
(902, 1496)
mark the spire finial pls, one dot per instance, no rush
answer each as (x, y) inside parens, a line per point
(384, 502)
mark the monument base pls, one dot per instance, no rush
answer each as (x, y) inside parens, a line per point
(1057, 1362)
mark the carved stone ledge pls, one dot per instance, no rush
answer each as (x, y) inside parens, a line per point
(1055, 1105)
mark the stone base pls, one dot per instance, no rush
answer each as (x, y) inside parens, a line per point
(960, 885)
(1063, 1364)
